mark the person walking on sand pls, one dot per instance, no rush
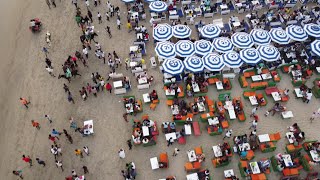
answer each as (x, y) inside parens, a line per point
(25, 102)
(254, 124)
(170, 141)
(315, 114)
(175, 152)
(41, 162)
(55, 133)
(35, 124)
(99, 18)
(108, 31)
(87, 4)
(70, 139)
(107, 16)
(74, 174)
(253, 111)
(86, 150)
(125, 117)
(90, 16)
(109, 87)
(129, 144)
(228, 134)
(78, 152)
(50, 71)
(66, 88)
(75, 3)
(59, 165)
(85, 169)
(54, 151)
(118, 23)
(45, 50)
(48, 62)
(18, 172)
(53, 2)
(122, 154)
(70, 98)
(52, 138)
(27, 159)
(48, 118)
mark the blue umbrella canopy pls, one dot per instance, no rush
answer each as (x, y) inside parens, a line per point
(242, 40)
(315, 47)
(162, 32)
(232, 59)
(210, 31)
(165, 50)
(222, 45)
(149, 1)
(269, 53)
(181, 31)
(194, 64)
(296, 33)
(128, 1)
(158, 6)
(184, 48)
(280, 36)
(203, 47)
(312, 30)
(213, 62)
(260, 36)
(173, 66)
(250, 56)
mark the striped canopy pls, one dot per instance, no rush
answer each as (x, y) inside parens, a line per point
(194, 64)
(149, 1)
(232, 59)
(269, 53)
(222, 45)
(312, 30)
(165, 50)
(128, 1)
(296, 33)
(242, 40)
(162, 32)
(203, 47)
(158, 6)
(213, 62)
(181, 31)
(250, 56)
(210, 31)
(315, 47)
(173, 66)
(280, 36)
(184, 48)
(260, 36)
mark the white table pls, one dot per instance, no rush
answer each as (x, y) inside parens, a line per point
(290, 137)
(244, 146)
(253, 100)
(254, 168)
(146, 98)
(172, 12)
(236, 24)
(266, 76)
(219, 85)
(89, 125)
(195, 87)
(117, 84)
(287, 160)
(171, 135)
(276, 96)
(287, 114)
(134, 48)
(170, 92)
(315, 156)
(142, 80)
(229, 105)
(145, 131)
(192, 156)
(193, 176)
(264, 138)
(228, 173)
(296, 73)
(256, 78)
(133, 64)
(154, 163)
(232, 114)
(217, 151)
(129, 108)
(318, 69)
(223, 7)
(213, 121)
(201, 107)
(298, 93)
(187, 129)
(175, 109)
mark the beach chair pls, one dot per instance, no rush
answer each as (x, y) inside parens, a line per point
(196, 128)
(153, 106)
(250, 155)
(164, 159)
(169, 102)
(198, 150)
(182, 140)
(275, 137)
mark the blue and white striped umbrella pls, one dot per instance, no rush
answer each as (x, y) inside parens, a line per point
(213, 62)
(250, 56)
(128, 1)
(260, 36)
(296, 33)
(165, 50)
(312, 30)
(194, 64)
(280, 36)
(162, 32)
(149, 1)
(184, 48)
(222, 45)
(158, 6)
(203, 47)
(242, 40)
(232, 59)
(315, 47)
(269, 53)
(181, 31)
(173, 66)
(210, 31)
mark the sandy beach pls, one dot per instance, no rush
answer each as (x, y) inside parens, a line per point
(23, 74)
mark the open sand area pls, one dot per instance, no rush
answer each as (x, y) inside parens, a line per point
(23, 74)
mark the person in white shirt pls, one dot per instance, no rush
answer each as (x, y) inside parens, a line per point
(228, 134)
(151, 21)
(191, 20)
(122, 154)
(99, 18)
(118, 23)
(308, 96)
(59, 165)
(315, 114)
(50, 71)
(87, 4)
(86, 150)
(85, 51)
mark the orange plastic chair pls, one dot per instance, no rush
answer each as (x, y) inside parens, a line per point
(164, 158)
(196, 165)
(188, 166)
(224, 124)
(153, 106)
(198, 150)
(250, 155)
(145, 116)
(155, 101)
(277, 136)
(244, 164)
(169, 102)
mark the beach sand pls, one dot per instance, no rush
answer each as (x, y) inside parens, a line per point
(23, 75)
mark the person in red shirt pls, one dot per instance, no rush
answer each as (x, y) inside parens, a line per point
(52, 138)
(27, 159)
(109, 87)
(24, 102)
(35, 124)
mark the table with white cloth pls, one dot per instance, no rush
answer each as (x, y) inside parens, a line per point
(276, 96)
(129, 108)
(192, 156)
(253, 100)
(244, 146)
(290, 137)
(296, 73)
(213, 121)
(117, 84)
(266, 76)
(256, 78)
(298, 92)
(146, 98)
(170, 92)
(264, 138)
(228, 173)
(195, 87)
(318, 69)
(287, 160)
(154, 163)
(229, 106)
(315, 156)
(193, 176)
(175, 109)
(254, 168)
(187, 129)
(133, 63)
(145, 131)
(88, 127)
(171, 135)
(219, 85)
(173, 12)
(218, 22)
(134, 48)
(142, 80)
(201, 107)
(217, 151)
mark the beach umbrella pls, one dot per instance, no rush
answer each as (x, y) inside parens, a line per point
(250, 56)
(184, 48)
(210, 31)
(312, 30)
(242, 40)
(260, 36)
(173, 66)
(162, 32)
(232, 59)
(194, 64)
(296, 33)
(128, 1)
(149, 1)
(213, 62)
(165, 50)
(315, 47)
(280, 36)
(222, 45)
(269, 53)
(158, 6)
(181, 31)
(203, 47)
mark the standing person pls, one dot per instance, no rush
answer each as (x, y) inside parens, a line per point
(78, 152)
(102, 83)
(48, 3)
(228, 134)
(90, 16)
(54, 151)
(125, 117)
(315, 114)
(53, 2)
(70, 98)
(107, 16)
(25, 102)
(41, 162)
(70, 139)
(48, 62)
(86, 150)
(52, 138)
(59, 165)
(35, 124)
(254, 111)
(117, 59)
(109, 87)
(122, 154)
(50, 71)
(95, 3)
(170, 141)
(129, 26)
(55, 133)
(99, 18)
(129, 144)
(75, 2)
(87, 4)
(18, 172)
(74, 174)
(48, 118)
(254, 124)
(108, 31)
(85, 51)
(27, 159)
(118, 23)
(111, 10)
(85, 169)
(65, 87)
(45, 50)
(175, 152)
